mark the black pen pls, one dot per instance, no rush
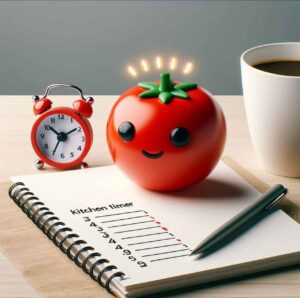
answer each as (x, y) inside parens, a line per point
(224, 233)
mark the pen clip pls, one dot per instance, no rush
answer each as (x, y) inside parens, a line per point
(275, 201)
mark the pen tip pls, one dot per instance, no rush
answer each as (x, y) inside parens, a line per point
(199, 254)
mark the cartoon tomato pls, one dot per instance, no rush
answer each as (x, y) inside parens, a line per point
(166, 136)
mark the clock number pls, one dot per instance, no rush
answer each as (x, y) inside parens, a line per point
(46, 146)
(62, 156)
(79, 148)
(83, 139)
(42, 136)
(71, 154)
(61, 116)
(71, 119)
(47, 127)
(79, 129)
(52, 120)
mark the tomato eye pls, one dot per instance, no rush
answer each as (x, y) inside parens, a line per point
(126, 131)
(180, 136)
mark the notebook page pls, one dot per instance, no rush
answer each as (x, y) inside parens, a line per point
(149, 235)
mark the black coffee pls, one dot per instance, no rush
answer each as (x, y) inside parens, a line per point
(282, 67)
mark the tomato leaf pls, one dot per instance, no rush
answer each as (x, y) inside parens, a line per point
(180, 94)
(165, 97)
(148, 85)
(185, 86)
(150, 93)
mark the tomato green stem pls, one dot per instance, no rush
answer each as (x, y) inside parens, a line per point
(166, 90)
(165, 82)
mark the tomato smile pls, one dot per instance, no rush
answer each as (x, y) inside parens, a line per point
(152, 155)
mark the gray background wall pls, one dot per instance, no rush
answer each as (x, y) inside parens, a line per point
(89, 43)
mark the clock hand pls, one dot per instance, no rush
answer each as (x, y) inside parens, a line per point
(51, 128)
(74, 129)
(53, 152)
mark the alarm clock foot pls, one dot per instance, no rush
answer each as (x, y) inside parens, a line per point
(39, 164)
(84, 165)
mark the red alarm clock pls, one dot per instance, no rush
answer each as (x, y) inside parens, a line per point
(62, 136)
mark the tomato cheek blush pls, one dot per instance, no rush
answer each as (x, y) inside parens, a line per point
(166, 135)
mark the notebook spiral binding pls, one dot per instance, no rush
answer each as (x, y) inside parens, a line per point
(26, 200)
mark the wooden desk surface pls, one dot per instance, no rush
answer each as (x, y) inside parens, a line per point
(17, 157)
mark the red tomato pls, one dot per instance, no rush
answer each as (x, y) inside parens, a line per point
(166, 136)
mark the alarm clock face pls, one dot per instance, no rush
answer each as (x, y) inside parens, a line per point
(61, 138)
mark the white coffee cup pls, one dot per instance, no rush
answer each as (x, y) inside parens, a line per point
(272, 104)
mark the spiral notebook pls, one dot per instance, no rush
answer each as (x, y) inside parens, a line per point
(135, 242)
